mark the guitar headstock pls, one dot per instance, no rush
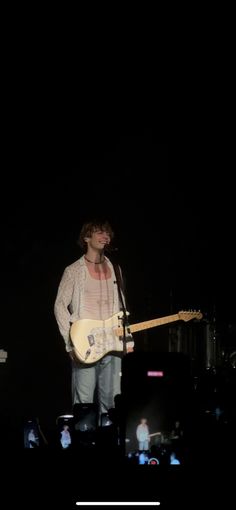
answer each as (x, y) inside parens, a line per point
(188, 316)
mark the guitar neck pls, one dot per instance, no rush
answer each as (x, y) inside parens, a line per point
(155, 434)
(154, 322)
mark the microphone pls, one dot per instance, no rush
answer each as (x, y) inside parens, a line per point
(110, 249)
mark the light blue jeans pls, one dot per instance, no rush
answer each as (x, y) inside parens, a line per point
(104, 376)
(143, 445)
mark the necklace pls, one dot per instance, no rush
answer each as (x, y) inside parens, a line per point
(91, 262)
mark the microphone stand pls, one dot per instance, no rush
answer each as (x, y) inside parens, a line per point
(118, 282)
(120, 288)
(125, 316)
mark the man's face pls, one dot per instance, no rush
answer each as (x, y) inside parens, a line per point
(98, 239)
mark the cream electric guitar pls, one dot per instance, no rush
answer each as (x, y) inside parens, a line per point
(93, 339)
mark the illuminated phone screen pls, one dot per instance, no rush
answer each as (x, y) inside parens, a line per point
(31, 434)
(156, 402)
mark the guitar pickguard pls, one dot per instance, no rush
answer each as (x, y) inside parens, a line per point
(101, 341)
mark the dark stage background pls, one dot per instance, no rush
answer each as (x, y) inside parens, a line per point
(174, 237)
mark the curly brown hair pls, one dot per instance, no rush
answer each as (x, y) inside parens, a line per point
(92, 226)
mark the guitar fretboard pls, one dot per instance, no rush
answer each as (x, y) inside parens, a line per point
(149, 324)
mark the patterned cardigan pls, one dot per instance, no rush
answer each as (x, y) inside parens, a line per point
(70, 297)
